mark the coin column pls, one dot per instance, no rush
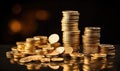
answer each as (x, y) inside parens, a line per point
(29, 47)
(70, 29)
(91, 40)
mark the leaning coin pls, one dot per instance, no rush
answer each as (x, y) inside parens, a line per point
(53, 38)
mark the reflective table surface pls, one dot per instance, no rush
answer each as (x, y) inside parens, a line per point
(109, 63)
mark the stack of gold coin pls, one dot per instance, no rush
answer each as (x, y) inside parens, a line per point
(70, 29)
(91, 40)
(108, 49)
(29, 46)
(40, 40)
(70, 20)
(20, 46)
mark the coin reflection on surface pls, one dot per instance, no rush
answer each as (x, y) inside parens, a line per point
(12, 61)
(88, 64)
(29, 66)
(54, 66)
(86, 67)
(66, 67)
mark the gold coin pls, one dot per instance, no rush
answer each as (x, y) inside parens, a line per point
(53, 38)
(68, 50)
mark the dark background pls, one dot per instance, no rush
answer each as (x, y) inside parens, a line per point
(92, 13)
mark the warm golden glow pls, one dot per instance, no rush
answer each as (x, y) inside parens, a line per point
(16, 9)
(42, 15)
(15, 26)
(29, 23)
(28, 29)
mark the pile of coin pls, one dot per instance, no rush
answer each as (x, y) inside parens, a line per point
(35, 47)
(70, 29)
(91, 40)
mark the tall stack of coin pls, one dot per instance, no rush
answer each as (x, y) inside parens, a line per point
(70, 29)
(91, 40)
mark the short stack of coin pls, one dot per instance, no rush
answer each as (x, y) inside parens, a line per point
(91, 40)
(20, 46)
(108, 49)
(40, 40)
(70, 29)
(29, 47)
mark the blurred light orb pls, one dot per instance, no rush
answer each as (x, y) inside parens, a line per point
(15, 26)
(42, 15)
(16, 9)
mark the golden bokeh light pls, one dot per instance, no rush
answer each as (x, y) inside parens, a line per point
(16, 9)
(42, 15)
(15, 26)
(29, 29)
